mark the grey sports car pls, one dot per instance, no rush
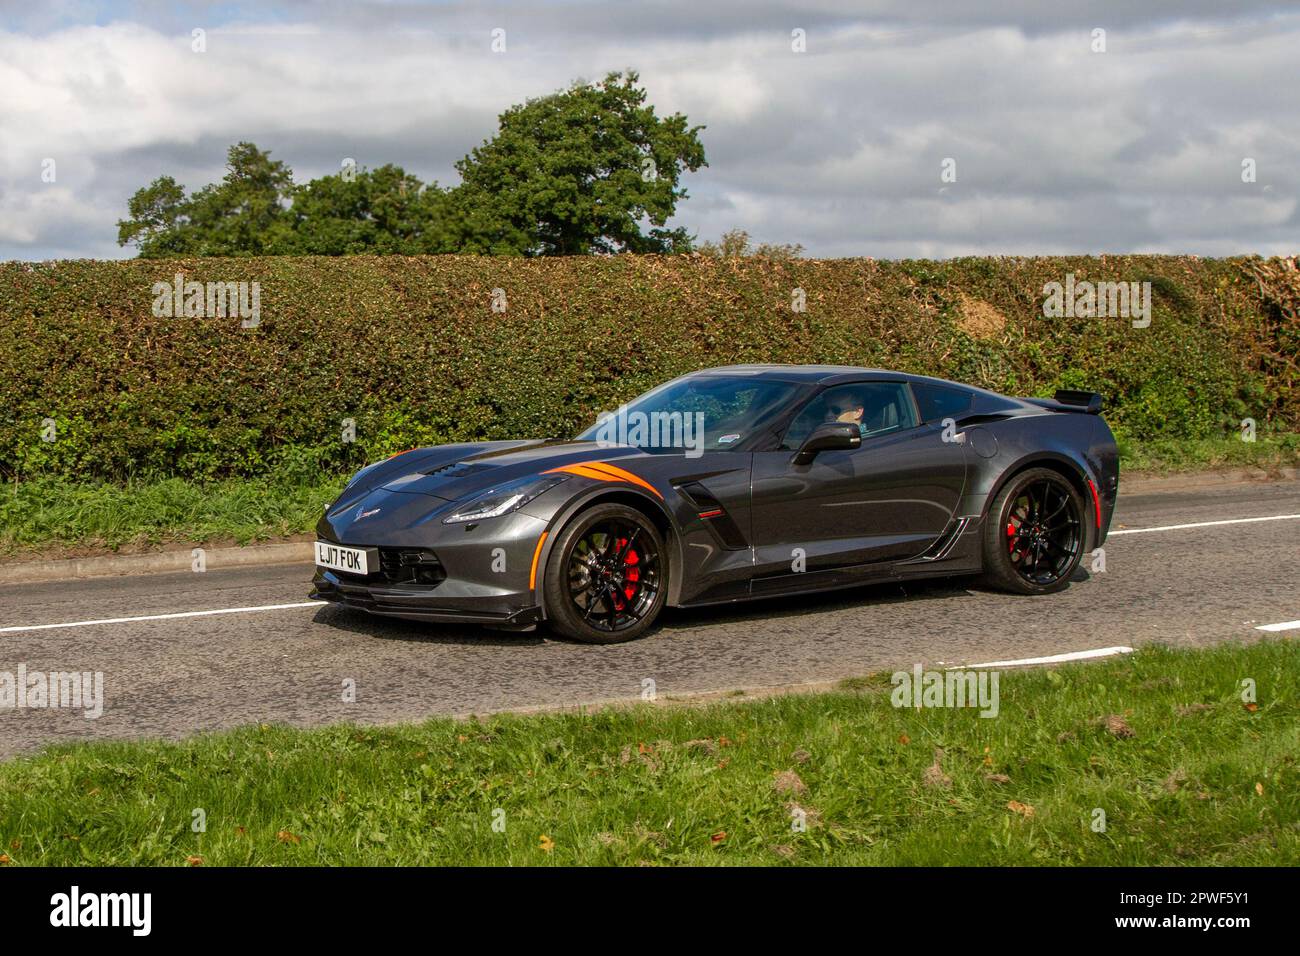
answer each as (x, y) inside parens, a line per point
(724, 485)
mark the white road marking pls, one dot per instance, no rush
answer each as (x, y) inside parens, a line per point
(1202, 524)
(1284, 626)
(1053, 659)
(162, 617)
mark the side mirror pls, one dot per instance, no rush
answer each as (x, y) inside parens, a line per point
(832, 436)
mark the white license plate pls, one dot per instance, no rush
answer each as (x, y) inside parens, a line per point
(352, 560)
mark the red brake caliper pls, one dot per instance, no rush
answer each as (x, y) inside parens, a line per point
(1011, 538)
(631, 573)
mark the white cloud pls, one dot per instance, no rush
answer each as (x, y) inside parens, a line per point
(1058, 149)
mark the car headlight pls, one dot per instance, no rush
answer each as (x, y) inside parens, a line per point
(503, 499)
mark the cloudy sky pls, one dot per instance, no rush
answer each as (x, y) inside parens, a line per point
(1057, 148)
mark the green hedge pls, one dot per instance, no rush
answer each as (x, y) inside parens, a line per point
(411, 349)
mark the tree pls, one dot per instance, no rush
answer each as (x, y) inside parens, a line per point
(382, 211)
(735, 244)
(243, 215)
(590, 169)
(576, 172)
(156, 213)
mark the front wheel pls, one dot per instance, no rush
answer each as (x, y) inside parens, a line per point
(1034, 534)
(605, 580)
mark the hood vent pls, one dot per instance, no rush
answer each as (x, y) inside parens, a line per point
(459, 469)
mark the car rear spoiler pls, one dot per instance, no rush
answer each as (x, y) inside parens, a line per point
(1070, 400)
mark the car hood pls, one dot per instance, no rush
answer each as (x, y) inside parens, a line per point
(419, 486)
(456, 472)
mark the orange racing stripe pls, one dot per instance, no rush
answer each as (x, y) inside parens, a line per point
(603, 471)
(586, 471)
(620, 474)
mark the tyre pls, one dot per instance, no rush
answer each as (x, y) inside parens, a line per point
(606, 579)
(1034, 534)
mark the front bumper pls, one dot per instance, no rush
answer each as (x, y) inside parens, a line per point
(472, 573)
(449, 602)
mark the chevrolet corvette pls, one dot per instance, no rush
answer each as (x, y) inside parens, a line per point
(725, 485)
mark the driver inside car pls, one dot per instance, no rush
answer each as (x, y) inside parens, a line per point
(848, 408)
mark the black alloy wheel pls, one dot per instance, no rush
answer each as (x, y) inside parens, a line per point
(1035, 533)
(605, 577)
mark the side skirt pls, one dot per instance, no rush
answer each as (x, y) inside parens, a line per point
(957, 552)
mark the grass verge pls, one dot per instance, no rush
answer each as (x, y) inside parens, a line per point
(1170, 456)
(1162, 742)
(52, 514)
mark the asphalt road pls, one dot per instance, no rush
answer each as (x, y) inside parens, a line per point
(176, 676)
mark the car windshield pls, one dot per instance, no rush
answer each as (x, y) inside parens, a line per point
(696, 414)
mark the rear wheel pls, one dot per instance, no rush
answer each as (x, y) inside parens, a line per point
(1034, 534)
(605, 580)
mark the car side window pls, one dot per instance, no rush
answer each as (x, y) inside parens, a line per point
(937, 403)
(877, 408)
